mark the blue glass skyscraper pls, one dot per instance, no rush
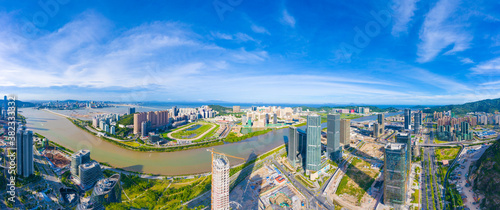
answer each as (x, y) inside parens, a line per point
(313, 153)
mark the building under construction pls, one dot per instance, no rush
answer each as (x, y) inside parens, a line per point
(220, 182)
(395, 174)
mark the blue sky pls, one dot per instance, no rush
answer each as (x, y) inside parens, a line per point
(312, 52)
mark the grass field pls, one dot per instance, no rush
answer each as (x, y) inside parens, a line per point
(436, 141)
(159, 194)
(131, 143)
(189, 134)
(448, 153)
(415, 197)
(357, 179)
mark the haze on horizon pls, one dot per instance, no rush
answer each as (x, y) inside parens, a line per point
(424, 53)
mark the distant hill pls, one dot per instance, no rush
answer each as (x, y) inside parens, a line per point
(488, 105)
(221, 109)
(486, 175)
(20, 104)
(329, 108)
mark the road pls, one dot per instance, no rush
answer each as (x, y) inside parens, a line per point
(316, 200)
(428, 189)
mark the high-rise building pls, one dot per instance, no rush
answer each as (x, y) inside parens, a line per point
(5, 107)
(89, 174)
(333, 148)
(313, 153)
(157, 119)
(395, 174)
(345, 131)
(296, 141)
(275, 118)
(220, 182)
(78, 158)
(266, 120)
(465, 131)
(113, 130)
(407, 116)
(417, 122)
(95, 122)
(131, 110)
(293, 145)
(175, 111)
(381, 121)
(105, 191)
(24, 150)
(405, 138)
(376, 130)
(145, 128)
(244, 120)
(236, 109)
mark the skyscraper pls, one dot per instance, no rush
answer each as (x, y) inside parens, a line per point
(405, 138)
(381, 121)
(145, 128)
(5, 107)
(275, 118)
(333, 136)
(24, 150)
(220, 182)
(296, 142)
(376, 130)
(345, 131)
(78, 158)
(313, 153)
(407, 116)
(417, 122)
(89, 174)
(175, 111)
(131, 110)
(395, 175)
(293, 145)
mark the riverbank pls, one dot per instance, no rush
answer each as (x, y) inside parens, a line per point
(143, 148)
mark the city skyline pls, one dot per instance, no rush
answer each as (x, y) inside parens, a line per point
(443, 52)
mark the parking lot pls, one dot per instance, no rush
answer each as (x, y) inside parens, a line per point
(460, 174)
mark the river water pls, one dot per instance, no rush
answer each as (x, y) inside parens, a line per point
(62, 131)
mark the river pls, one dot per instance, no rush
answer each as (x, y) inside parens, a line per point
(62, 131)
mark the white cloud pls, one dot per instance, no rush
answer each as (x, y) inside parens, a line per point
(85, 53)
(466, 60)
(241, 37)
(488, 67)
(259, 29)
(288, 19)
(403, 12)
(441, 30)
(243, 56)
(222, 35)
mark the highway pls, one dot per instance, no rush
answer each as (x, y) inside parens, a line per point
(428, 189)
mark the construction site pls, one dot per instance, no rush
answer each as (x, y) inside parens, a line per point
(371, 150)
(267, 188)
(57, 159)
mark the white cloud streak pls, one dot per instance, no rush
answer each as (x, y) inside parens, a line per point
(440, 30)
(288, 19)
(403, 11)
